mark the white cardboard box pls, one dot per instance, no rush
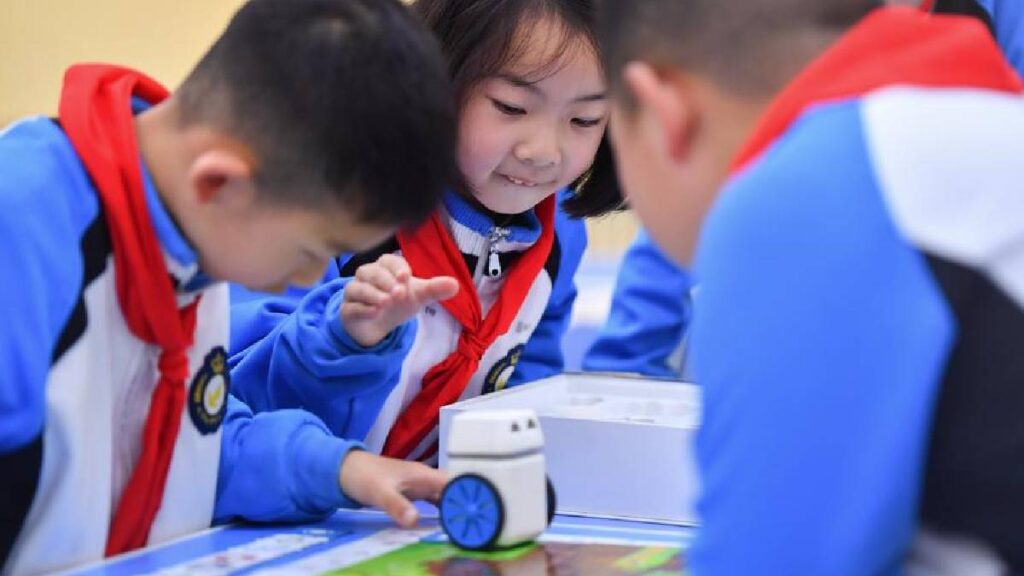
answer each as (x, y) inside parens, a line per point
(615, 446)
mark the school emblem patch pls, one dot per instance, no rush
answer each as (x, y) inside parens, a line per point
(498, 376)
(208, 395)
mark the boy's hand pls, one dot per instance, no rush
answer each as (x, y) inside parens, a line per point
(389, 484)
(384, 294)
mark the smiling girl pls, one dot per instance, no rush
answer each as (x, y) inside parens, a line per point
(488, 280)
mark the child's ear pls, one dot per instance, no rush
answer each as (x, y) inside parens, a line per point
(665, 97)
(217, 173)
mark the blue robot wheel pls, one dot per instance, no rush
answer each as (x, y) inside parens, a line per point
(472, 512)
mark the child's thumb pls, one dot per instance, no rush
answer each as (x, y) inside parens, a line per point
(435, 289)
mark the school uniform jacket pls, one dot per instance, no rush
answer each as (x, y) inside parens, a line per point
(859, 336)
(75, 384)
(292, 351)
(648, 320)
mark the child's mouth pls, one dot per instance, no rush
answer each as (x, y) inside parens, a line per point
(518, 182)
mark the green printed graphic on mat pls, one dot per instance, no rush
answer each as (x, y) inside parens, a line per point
(551, 559)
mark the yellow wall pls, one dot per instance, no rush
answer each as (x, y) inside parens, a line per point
(40, 38)
(611, 235)
(164, 38)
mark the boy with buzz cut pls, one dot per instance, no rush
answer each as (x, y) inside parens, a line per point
(120, 220)
(857, 171)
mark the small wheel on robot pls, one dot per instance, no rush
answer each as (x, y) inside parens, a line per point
(472, 512)
(552, 499)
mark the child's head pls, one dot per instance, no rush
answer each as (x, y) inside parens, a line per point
(309, 128)
(532, 99)
(689, 79)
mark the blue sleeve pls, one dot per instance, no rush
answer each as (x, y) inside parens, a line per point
(46, 204)
(542, 355)
(649, 315)
(289, 353)
(819, 340)
(1008, 19)
(254, 314)
(281, 466)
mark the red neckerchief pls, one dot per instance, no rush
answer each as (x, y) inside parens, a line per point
(431, 252)
(890, 46)
(95, 112)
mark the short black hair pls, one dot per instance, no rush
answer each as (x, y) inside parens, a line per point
(482, 37)
(749, 46)
(344, 103)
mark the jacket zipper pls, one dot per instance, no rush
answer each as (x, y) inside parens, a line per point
(493, 260)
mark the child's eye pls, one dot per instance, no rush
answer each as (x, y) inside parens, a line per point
(587, 122)
(507, 109)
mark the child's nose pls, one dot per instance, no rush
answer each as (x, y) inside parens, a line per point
(540, 149)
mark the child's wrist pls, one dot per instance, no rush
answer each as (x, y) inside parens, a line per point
(349, 337)
(365, 337)
(349, 474)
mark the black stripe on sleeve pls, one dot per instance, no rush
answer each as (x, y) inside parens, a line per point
(96, 249)
(18, 484)
(554, 262)
(974, 479)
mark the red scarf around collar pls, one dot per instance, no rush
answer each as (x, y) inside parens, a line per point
(888, 47)
(95, 112)
(431, 252)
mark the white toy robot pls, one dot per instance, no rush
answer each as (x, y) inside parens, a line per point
(499, 494)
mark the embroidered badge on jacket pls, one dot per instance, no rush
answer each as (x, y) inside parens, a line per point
(208, 395)
(498, 376)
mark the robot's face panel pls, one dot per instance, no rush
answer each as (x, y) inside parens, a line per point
(530, 424)
(523, 430)
(495, 432)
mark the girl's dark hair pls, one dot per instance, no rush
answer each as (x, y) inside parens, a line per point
(481, 38)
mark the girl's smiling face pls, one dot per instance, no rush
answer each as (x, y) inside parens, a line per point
(534, 128)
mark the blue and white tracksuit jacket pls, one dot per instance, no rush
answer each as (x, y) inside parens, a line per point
(75, 384)
(858, 339)
(292, 351)
(648, 319)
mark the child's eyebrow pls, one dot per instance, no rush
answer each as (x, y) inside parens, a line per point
(520, 82)
(596, 97)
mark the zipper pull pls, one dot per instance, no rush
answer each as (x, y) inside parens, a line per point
(493, 259)
(493, 264)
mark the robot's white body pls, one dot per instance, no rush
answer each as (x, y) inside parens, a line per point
(504, 448)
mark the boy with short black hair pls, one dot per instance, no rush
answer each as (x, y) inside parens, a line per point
(118, 220)
(857, 329)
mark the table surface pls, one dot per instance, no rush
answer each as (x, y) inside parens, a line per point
(346, 538)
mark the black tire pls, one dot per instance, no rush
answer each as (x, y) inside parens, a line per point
(552, 499)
